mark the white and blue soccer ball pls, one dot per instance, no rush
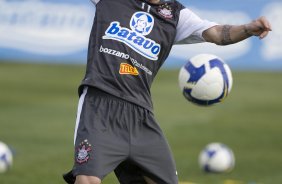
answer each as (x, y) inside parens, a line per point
(217, 158)
(6, 157)
(205, 80)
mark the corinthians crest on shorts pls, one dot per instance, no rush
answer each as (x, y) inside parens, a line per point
(83, 152)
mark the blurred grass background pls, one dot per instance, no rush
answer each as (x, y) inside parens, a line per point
(37, 115)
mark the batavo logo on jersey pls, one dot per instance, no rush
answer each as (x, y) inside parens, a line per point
(141, 24)
(127, 69)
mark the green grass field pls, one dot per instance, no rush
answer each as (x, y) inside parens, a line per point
(38, 108)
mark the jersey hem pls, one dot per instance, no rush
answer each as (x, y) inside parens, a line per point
(111, 92)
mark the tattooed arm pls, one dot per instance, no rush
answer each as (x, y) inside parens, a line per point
(229, 34)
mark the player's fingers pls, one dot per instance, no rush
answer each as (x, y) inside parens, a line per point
(264, 27)
(263, 34)
(265, 23)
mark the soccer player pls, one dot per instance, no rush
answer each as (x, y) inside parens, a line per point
(115, 127)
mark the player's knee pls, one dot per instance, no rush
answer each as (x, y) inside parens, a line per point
(82, 179)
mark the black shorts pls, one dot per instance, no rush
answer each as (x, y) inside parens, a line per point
(115, 135)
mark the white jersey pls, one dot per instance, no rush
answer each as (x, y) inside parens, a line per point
(190, 27)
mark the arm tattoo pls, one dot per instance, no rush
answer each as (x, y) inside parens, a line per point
(226, 39)
(247, 32)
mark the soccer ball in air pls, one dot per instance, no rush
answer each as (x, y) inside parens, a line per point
(6, 157)
(205, 79)
(216, 158)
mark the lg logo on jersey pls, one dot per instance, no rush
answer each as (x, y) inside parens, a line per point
(141, 24)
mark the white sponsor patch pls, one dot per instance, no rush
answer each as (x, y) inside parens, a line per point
(141, 24)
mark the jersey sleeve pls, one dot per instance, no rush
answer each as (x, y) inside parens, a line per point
(95, 1)
(191, 27)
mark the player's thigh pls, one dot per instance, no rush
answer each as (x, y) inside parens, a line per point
(82, 179)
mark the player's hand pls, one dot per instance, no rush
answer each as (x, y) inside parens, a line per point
(259, 27)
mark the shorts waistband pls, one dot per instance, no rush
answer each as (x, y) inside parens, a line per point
(95, 91)
(101, 93)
